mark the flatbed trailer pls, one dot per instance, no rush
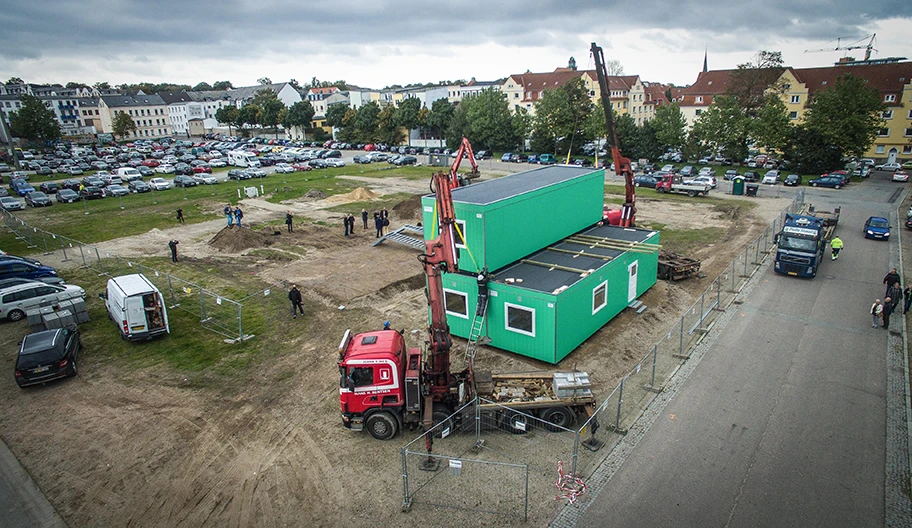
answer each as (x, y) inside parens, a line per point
(676, 267)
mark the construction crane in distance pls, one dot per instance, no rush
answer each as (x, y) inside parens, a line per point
(857, 44)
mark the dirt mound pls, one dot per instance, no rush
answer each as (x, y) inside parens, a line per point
(358, 195)
(315, 193)
(409, 209)
(235, 239)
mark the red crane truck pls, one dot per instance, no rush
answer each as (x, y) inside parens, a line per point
(386, 386)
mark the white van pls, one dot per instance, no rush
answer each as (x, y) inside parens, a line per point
(138, 308)
(240, 158)
(128, 174)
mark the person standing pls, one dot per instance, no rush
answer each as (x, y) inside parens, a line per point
(351, 223)
(364, 217)
(172, 245)
(228, 215)
(180, 215)
(836, 245)
(895, 292)
(345, 223)
(385, 214)
(289, 221)
(378, 223)
(890, 279)
(887, 311)
(907, 295)
(296, 301)
(238, 214)
(876, 313)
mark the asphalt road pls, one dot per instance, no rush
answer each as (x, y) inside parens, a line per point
(783, 422)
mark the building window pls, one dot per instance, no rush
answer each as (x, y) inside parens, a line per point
(889, 98)
(599, 297)
(519, 319)
(907, 149)
(888, 114)
(884, 132)
(456, 303)
(796, 99)
(879, 149)
(793, 115)
(515, 95)
(699, 98)
(698, 112)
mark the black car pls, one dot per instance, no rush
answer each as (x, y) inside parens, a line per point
(48, 355)
(71, 184)
(145, 172)
(184, 181)
(406, 160)
(37, 199)
(484, 154)
(267, 161)
(139, 186)
(519, 158)
(183, 169)
(751, 176)
(792, 180)
(44, 170)
(646, 180)
(91, 192)
(582, 162)
(238, 174)
(67, 196)
(49, 187)
(317, 163)
(93, 181)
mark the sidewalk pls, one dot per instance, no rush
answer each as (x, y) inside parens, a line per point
(22, 504)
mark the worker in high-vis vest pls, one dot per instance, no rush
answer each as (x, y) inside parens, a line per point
(835, 246)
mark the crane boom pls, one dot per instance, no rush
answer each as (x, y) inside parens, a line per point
(621, 164)
(856, 44)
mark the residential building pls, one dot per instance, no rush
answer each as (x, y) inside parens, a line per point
(358, 97)
(211, 100)
(181, 109)
(456, 93)
(65, 108)
(89, 113)
(149, 113)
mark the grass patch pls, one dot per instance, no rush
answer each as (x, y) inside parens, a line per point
(686, 240)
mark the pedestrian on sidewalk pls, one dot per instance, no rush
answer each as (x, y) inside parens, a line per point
(887, 311)
(180, 215)
(836, 245)
(364, 217)
(238, 214)
(289, 221)
(890, 279)
(172, 245)
(228, 214)
(895, 292)
(907, 295)
(876, 313)
(296, 301)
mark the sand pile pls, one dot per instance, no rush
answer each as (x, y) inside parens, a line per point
(315, 193)
(358, 195)
(235, 239)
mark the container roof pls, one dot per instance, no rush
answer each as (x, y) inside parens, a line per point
(537, 272)
(492, 191)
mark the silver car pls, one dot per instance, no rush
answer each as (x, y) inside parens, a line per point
(10, 204)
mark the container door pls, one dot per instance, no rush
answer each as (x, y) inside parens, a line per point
(632, 281)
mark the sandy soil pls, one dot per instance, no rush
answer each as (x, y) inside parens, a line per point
(142, 449)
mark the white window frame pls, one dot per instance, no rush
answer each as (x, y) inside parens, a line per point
(879, 149)
(602, 286)
(507, 326)
(889, 98)
(883, 132)
(465, 297)
(796, 99)
(462, 229)
(908, 132)
(793, 115)
(887, 114)
(907, 149)
(699, 98)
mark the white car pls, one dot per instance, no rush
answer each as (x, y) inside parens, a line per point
(900, 176)
(889, 167)
(165, 169)
(703, 180)
(334, 162)
(159, 184)
(284, 168)
(205, 179)
(771, 178)
(219, 162)
(16, 300)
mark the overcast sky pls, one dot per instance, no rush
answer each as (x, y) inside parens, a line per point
(381, 42)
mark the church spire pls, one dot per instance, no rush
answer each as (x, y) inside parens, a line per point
(705, 61)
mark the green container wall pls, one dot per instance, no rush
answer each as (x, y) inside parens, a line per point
(500, 233)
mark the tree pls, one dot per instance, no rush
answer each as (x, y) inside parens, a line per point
(724, 128)
(407, 115)
(227, 115)
(490, 121)
(222, 85)
(365, 122)
(439, 119)
(772, 127)
(203, 86)
(750, 83)
(294, 84)
(123, 124)
(562, 117)
(249, 114)
(264, 81)
(522, 125)
(627, 135)
(670, 126)
(647, 145)
(103, 85)
(388, 129)
(423, 116)
(458, 127)
(15, 80)
(614, 67)
(34, 121)
(300, 115)
(848, 115)
(270, 106)
(334, 115)
(811, 151)
(73, 85)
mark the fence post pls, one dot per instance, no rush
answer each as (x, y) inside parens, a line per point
(44, 235)
(733, 277)
(84, 265)
(681, 338)
(617, 419)
(719, 292)
(100, 265)
(202, 306)
(406, 504)
(746, 258)
(574, 457)
(526, 506)
(63, 247)
(171, 288)
(701, 309)
(477, 422)
(655, 351)
(239, 311)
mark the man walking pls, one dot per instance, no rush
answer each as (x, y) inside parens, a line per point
(228, 214)
(890, 279)
(887, 311)
(876, 313)
(172, 245)
(296, 301)
(180, 215)
(238, 214)
(289, 221)
(835, 246)
(907, 295)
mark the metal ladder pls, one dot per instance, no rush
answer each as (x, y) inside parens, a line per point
(475, 333)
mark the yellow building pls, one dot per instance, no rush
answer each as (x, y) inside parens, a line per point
(149, 113)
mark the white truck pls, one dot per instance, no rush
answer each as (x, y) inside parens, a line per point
(240, 158)
(137, 306)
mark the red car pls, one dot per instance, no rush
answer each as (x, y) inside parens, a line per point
(151, 163)
(303, 167)
(199, 169)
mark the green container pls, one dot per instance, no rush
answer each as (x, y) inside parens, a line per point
(738, 186)
(507, 218)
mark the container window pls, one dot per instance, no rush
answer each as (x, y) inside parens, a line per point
(457, 303)
(599, 297)
(520, 319)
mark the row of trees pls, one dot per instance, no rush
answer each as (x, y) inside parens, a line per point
(265, 109)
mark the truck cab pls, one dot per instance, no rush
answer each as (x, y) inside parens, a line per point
(801, 245)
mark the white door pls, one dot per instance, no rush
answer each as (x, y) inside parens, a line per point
(891, 157)
(632, 281)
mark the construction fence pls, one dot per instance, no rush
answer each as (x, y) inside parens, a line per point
(488, 458)
(236, 320)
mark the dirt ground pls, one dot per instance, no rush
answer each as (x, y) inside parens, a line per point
(115, 448)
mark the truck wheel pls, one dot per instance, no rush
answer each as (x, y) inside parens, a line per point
(510, 420)
(691, 193)
(660, 190)
(442, 422)
(705, 193)
(381, 426)
(558, 418)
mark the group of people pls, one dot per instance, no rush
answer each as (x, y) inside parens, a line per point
(895, 298)
(381, 221)
(233, 215)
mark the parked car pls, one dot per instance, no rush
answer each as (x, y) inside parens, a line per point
(164, 169)
(49, 187)
(687, 171)
(730, 174)
(508, 156)
(116, 190)
(23, 269)
(217, 163)
(893, 166)
(406, 160)
(182, 180)
(202, 169)
(238, 174)
(533, 158)
(44, 170)
(362, 160)
(547, 159)
(284, 168)
(159, 184)
(90, 192)
(334, 162)
(255, 173)
(111, 179)
(93, 181)
(827, 180)
(16, 281)
(877, 227)
(19, 175)
(205, 179)
(67, 196)
(645, 180)
(900, 176)
(519, 157)
(581, 162)
(302, 167)
(73, 170)
(38, 199)
(21, 187)
(10, 204)
(792, 180)
(139, 186)
(751, 176)
(484, 154)
(771, 177)
(47, 355)
(16, 300)
(703, 180)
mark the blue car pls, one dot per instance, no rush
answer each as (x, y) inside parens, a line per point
(836, 182)
(23, 269)
(877, 228)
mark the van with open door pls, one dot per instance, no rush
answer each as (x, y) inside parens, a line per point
(138, 308)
